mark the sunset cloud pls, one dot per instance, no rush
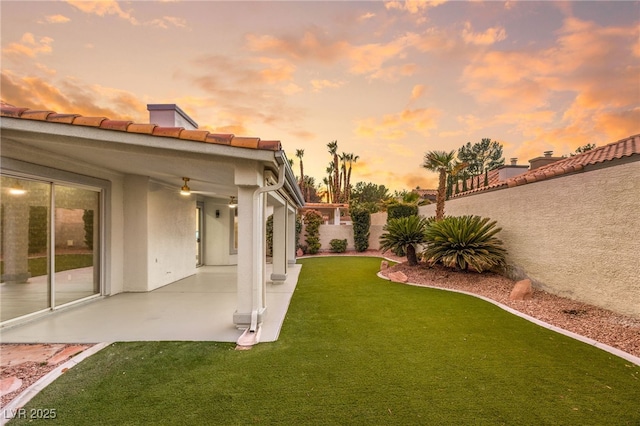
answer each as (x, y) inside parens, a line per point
(413, 6)
(167, 21)
(57, 19)
(417, 92)
(72, 96)
(29, 46)
(399, 125)
(488, 37)
(103, 8)
(319, 85)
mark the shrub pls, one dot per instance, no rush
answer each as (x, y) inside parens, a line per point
(312, 221)
(464, 242)
(397, 210)
(269, 233)
(338, 246)
(361, 219)
(404, 233)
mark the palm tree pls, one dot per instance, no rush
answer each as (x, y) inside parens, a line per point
(352, 159)
(330, 185)
(300, 154)
(333, 150)
(404, 234)
(441, 162)
(343, 176)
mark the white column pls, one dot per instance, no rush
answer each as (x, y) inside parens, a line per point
(291, 236)
(246, 217)
(251, 284)
(279, 272)
(336, 216)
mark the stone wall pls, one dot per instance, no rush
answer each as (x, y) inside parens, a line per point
(575, 236)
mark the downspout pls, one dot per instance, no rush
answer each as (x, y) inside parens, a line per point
(281, 175)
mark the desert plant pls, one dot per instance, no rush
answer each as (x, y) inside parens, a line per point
(361, 224)
(464, 242)
(404, 233)
(312, 221)
(338, 246)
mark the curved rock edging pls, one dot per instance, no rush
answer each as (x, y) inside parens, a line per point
(614, 351)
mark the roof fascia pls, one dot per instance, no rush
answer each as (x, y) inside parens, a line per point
(132, 139)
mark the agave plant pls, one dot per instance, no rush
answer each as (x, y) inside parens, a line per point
(404, 233)
(464, 242)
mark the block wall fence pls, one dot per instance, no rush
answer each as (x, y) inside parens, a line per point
(576, 236)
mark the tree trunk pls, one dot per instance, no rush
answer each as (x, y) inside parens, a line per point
(441, 194)
(412, 258)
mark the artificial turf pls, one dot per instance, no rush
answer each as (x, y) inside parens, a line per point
(356, 349)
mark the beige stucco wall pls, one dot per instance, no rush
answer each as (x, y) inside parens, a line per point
(576, 236)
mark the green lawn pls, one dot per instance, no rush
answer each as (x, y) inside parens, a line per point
(356, 349)
(64, 262)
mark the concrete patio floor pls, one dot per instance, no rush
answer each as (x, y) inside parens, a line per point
(197, 308)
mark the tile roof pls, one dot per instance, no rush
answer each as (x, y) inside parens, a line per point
(627, 147)
(7, 110)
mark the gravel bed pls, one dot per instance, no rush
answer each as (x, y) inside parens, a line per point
(613, 329)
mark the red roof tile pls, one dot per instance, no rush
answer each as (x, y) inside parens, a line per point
(7, 110)
(88, 121)
(115, 125)
(243, 142)
(36, 115)
(221, 139)
(141, 128)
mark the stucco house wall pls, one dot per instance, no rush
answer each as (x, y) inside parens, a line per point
(217, 250)
(341, 232)
(575, 236)
(172, 240)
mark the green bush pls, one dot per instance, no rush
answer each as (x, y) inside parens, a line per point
(397, 210)
(338, 246)
(465, 243)
(312, 221)
(361, 219)
(404, 233)
(269, 232)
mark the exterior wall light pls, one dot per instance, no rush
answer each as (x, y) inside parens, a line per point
(185, 190)
(233, 203)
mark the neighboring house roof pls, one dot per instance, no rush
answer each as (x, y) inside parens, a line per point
(7, 110)
(628, 147)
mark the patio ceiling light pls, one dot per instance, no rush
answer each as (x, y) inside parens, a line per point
(17, 189)
(185, 190)
(232, 202)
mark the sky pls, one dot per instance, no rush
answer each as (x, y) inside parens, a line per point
(389, 80)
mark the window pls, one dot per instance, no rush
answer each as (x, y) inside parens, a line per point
(50, 243)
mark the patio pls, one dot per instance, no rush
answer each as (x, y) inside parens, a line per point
(197, 308)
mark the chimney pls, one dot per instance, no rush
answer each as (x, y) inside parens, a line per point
(543, 161)
(506, 172)
(170, 115)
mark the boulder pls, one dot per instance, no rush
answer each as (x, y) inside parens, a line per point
(521, 290)
(398, 277)
(384, 265)
(299, 253)
(10, 384)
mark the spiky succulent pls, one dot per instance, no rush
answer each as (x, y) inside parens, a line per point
(464, 242)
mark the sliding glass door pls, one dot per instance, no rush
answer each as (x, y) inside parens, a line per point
(50, 245)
